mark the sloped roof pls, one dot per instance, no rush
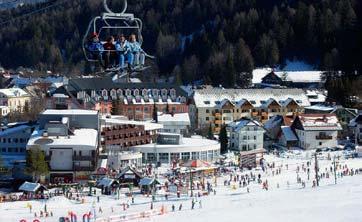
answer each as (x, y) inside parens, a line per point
(238, 125)
(14, 92)
(106, 182)
(320, 122)
(289, 134)
(30, 187)
(129, 169)
(146, 181)
(88, 84)
(210, 97)
(293, 76)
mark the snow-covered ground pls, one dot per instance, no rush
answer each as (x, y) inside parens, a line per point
(285, 200)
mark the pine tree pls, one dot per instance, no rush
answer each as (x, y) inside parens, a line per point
(167, 108)
(230, 69)
(115, 107)
(223, 139)
(36, 164)
(154, 114)
(210, 134)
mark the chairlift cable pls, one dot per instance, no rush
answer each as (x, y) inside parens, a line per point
(8, 2)
(60, 2)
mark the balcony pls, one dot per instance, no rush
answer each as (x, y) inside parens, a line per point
(323, 137)
(219, 122)
(83, 158)
(217, 115)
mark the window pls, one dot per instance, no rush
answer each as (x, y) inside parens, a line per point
(207, 118)
(146, 109)
(21, 140)
(136, 92)
(207, 102)
(320, 143)
(195, 155)
(252, 102)
(104, 92)
(16, 140)
(185, 156)
(163, 157)
(207, 111)
(3, 150)
(9, 140)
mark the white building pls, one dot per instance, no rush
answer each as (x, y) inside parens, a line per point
(173, 148)
(174, 123)
(119, 159)
(316, 130)
(13, 140)
(69, 139)
(246, 135)
(14, 98)
(4, 110)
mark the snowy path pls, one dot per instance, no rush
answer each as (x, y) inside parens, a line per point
(329, 202)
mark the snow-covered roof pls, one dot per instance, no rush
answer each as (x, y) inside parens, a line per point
(116, 120)
(238, 125)
(320, 122)
(14, 92)
(320, 107)
(293, 76)
(106, 182)
(177, 118)
(85, 139)
(211, 97)
(146, 181)
(69, 112)
(30, 187)
(12, 130)
(59, 95)
(289, 134)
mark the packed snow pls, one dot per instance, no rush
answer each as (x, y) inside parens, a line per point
(287, 198)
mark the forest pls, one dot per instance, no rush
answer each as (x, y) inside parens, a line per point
(218, 42)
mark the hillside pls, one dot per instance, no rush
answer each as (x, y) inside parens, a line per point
(203, 39)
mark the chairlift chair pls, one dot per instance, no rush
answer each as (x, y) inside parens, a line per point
(110, 20)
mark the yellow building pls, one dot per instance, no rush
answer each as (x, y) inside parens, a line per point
(14, 98)
(218, 106)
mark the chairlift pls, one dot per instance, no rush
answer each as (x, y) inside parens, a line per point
(110, 21)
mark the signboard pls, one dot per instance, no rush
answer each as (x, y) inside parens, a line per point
(168, 139)
(129, 176)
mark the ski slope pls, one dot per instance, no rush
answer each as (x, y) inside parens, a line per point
(285, 200)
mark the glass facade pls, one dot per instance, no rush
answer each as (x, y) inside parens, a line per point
(185, 156)
(163, 157)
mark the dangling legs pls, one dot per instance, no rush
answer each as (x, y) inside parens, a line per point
(136, 59)
(130, 58)
(121, 60)
(142, 59)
